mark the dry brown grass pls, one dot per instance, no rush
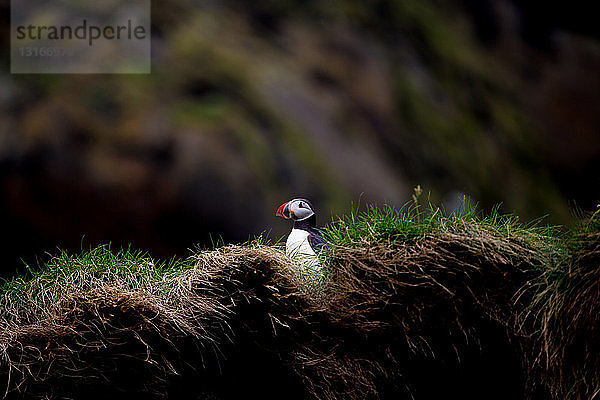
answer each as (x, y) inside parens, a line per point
(566, 357)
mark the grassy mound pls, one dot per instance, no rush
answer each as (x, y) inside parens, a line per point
(413, 304)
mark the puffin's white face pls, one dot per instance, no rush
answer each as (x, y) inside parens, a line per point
(297, 209)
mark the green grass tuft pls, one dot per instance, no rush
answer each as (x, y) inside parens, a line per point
(26, 298)
(415, 222)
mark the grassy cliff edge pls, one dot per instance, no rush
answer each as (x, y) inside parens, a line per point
(414, 304)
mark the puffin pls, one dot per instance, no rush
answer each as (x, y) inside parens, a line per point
(304, 240)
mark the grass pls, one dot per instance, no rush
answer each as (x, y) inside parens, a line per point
(567, 296)
(406, 292)
(414, 222)
(26, 298)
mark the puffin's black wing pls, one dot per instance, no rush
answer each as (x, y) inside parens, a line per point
(316, 241)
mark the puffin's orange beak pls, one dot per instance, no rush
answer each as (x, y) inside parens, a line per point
(284, 211)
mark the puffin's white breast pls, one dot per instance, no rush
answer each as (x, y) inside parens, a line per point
(297, 244)
(298, 247)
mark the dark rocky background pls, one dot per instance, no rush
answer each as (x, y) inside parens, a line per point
(252, 103)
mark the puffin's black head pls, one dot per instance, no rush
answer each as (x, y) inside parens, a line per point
(297, 210)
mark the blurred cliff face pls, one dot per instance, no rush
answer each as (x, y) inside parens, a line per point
(251, 104)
